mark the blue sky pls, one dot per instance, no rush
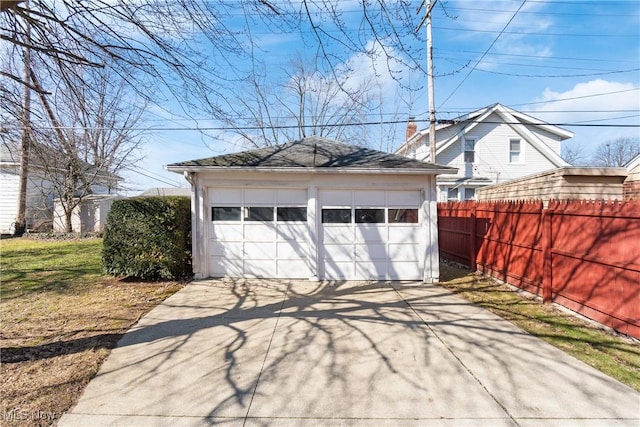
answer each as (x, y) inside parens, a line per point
(566, 62)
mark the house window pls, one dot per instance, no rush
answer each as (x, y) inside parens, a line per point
(336, 216)
(514, 151)
(259, 213)
(404, 216)
(469, 193)
(291, 214)
(226, 213)
(469, 150)
(452, 194)
(370, 216)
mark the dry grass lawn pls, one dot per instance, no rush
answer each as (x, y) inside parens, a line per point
(59, 318)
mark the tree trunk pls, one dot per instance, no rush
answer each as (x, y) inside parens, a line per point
(21, 215)
(67, 221)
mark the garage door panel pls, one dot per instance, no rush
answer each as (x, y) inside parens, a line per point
(335, 198)
(371, 251)
(334, 269)
(338, 234)
(258, 196)
(403, 199)
(401, 270)
(404, 252)
(226, 267)
(371, 270)
(259, 268)
(404, 234)
(295, 269)
(371, 233)
(225, 196)
(226, 249)
(368, 198)
(292, 250)
(292, 231)
(293, 197)
(227, 232)
(260, 232)
(339, 252)
(259, 250)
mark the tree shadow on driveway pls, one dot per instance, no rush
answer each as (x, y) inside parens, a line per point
(265, 350)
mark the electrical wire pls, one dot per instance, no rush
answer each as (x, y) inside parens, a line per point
(485, 53)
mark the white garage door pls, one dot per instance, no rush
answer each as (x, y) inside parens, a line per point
(371, 235)
(259, 233)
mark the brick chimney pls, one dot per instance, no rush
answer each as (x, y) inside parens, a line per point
(412, 128)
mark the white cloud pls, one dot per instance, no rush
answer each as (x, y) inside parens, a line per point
(375, 69)
(597, 102)
(599, 96)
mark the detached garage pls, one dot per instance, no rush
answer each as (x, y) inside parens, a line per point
(315, 209)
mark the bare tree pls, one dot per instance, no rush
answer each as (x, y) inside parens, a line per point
(573, 154)
(308, 102)
(159, 44)
(189, 50)
(90, 135)
(617, 152)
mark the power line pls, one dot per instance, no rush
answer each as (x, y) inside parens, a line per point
(526, 12)
(485, 52)
(579, 97)
(554, 76)
(532, 33)
(333, 125)
(545, 57)
(173, 184)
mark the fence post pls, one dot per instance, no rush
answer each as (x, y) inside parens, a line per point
(547, 274)
(472, 238)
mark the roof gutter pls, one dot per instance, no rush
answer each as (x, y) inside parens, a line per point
(361, 171)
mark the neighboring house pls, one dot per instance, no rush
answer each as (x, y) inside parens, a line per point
(568, 183)
(315, 209)
(40, 189)
(39, 200)
(632, 183)
(489, 146)
(89, 216)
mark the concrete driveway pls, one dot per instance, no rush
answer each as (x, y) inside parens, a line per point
(274, 353)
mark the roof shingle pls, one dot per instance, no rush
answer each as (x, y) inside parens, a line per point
(311, 152)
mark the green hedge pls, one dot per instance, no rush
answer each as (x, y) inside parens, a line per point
(148, 238)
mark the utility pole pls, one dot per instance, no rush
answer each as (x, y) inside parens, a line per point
(430, 87)
(21, 216)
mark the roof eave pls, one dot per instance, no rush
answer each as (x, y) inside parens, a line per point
(396, 171)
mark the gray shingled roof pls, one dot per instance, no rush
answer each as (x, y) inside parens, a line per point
(311, 152)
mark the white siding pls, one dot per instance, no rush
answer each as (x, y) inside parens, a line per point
(492, 153)
(551, 140)
(9, 182)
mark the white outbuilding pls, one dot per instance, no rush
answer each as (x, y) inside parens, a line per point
(315, 209)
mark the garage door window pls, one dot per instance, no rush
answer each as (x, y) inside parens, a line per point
(370, 216)
(403, 216)
(259, 213)
(286, 214)
(336, 216)
(226, 213)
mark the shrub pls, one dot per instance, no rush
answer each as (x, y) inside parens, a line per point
(148, 238)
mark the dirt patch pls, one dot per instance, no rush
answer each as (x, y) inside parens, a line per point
(52, 343)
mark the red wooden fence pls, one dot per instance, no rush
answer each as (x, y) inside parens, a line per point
(584, 255)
